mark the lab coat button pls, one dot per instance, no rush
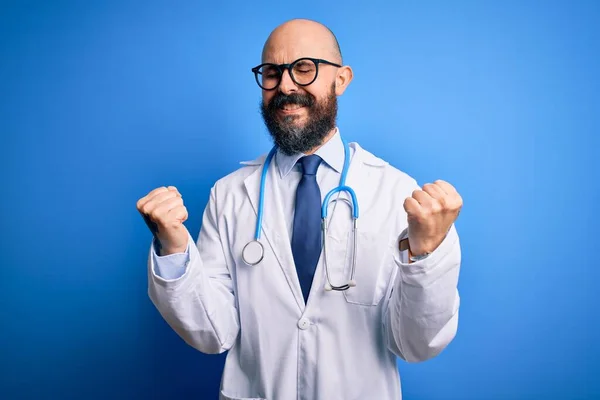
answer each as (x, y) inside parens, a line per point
(303, 323)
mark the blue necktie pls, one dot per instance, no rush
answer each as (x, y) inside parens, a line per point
(306, 236)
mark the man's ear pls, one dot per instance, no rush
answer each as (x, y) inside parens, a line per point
(343, 79)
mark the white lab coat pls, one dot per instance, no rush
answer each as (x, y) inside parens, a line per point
(341, 345)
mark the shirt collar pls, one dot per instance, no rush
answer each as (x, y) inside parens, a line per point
(332, 153)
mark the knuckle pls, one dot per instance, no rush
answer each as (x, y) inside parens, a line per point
(157, 211)
(430, 190)
(455, 202)
(146, 208)
(155, 214)
(443, 202)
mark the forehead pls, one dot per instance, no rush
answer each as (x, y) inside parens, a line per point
(285, 48)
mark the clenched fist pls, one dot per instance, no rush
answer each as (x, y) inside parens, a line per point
(164, 213)
(430, 213)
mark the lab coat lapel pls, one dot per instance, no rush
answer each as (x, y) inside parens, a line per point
(274, 231)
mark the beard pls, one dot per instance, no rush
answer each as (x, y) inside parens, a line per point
(292, 138)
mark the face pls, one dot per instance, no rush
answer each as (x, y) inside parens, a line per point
(300, 117)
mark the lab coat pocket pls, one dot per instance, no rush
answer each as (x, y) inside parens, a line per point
(374, 266)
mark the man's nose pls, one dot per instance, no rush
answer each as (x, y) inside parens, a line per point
(287, 85)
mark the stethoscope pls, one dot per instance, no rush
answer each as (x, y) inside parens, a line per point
(253, 252)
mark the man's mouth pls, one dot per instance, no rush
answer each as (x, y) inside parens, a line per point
(290, 108)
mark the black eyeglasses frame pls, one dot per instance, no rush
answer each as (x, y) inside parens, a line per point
(289, 67)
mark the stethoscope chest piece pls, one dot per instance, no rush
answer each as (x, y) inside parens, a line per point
(253, 252)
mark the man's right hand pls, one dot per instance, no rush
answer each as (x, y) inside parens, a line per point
(164, 213)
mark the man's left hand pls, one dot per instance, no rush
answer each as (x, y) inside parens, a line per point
(430, 213)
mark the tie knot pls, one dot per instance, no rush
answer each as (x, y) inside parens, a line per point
(310, 164)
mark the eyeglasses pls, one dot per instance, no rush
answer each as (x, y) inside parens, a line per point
(303, 72)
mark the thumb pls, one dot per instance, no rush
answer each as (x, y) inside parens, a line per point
(181, 214)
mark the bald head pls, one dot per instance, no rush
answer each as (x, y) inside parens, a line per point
(301, 38)
(299, 104)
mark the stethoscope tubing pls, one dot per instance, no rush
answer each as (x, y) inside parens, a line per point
(261, 197)
(324, 209)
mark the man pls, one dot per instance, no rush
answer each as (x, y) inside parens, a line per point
(288, 335)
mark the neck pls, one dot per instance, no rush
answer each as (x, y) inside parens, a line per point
(325, 140)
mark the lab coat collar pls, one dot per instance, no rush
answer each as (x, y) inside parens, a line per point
(360, 154)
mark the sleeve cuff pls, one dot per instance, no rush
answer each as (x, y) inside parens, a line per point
(432, 259)
(172, 266)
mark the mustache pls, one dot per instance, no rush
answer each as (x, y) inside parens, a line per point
(281, 100)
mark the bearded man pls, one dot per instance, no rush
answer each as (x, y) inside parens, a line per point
(318, 265)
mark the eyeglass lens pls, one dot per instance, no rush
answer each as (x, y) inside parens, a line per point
(303, 73)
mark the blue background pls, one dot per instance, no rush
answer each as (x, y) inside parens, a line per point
(103, 101)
